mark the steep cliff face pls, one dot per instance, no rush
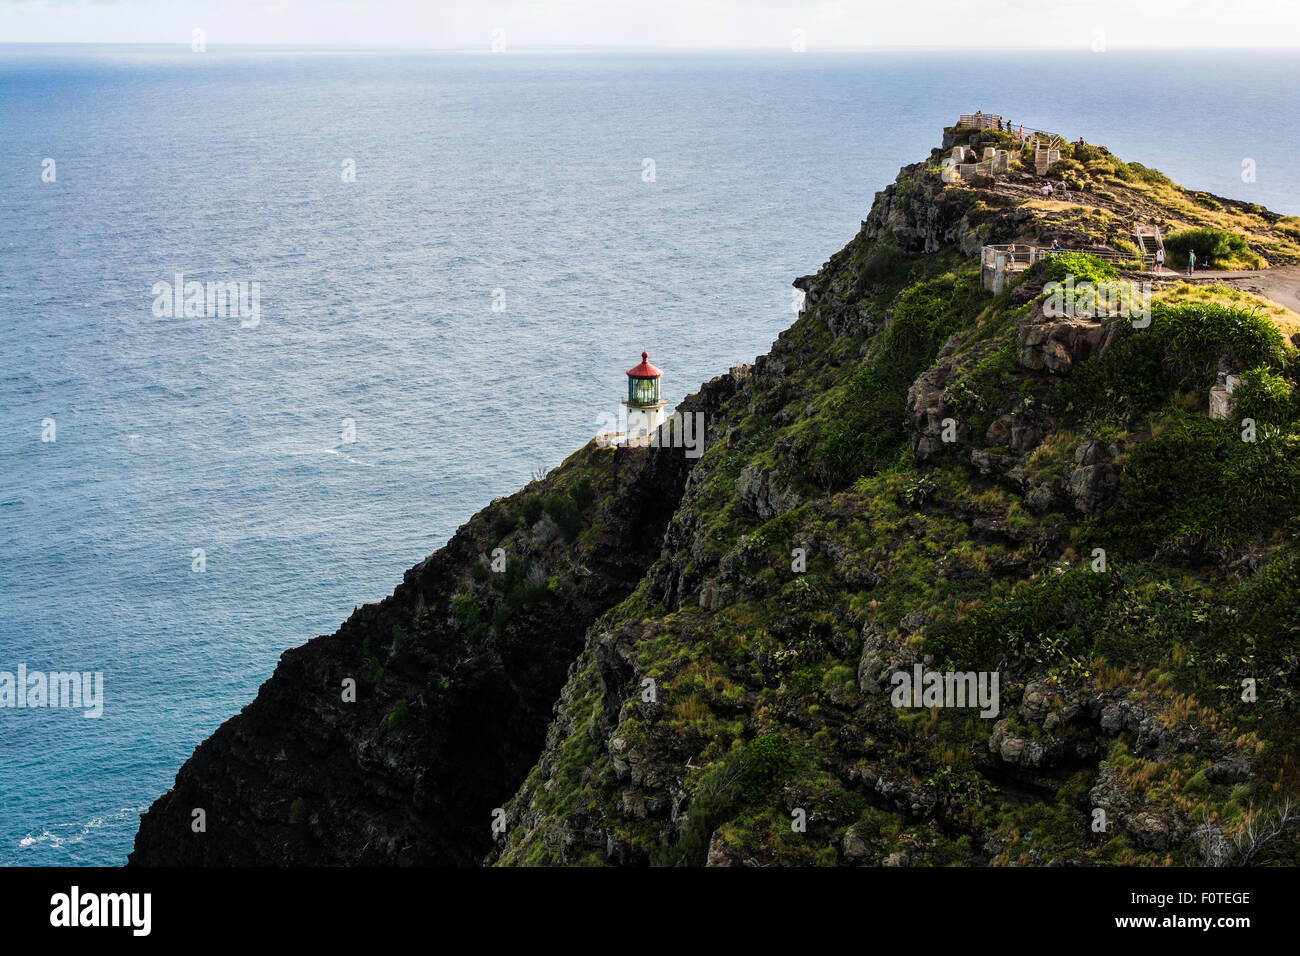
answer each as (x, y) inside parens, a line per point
(918, 475)
(455, 673)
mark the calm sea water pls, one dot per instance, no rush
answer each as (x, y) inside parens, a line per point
(519, 180)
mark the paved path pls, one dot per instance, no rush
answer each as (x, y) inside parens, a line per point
(1282, 285)
(1210, 275)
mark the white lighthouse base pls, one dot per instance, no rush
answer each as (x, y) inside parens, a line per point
(642, 421)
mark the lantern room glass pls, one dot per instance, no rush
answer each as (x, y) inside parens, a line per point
(643, 391)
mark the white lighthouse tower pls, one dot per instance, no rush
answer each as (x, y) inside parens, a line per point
(645, 406)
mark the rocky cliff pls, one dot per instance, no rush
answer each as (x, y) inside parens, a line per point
(919, 475)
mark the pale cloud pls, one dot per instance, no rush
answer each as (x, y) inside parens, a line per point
(687, 24)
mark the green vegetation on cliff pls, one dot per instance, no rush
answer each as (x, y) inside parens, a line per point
(645, 659)
(922, 473)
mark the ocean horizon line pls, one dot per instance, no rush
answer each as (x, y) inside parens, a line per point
(1081, 49)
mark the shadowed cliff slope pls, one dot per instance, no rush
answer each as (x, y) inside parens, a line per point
(455, 673)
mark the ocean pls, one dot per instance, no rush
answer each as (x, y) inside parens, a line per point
(456, 259)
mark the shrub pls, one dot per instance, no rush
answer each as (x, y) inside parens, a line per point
(1265, 396)
(503, 522)
(748, 776)
(1253, 629)
(373, 667)
(1179, 351)
(1145, 174)
(866, 427)
(1214, 247)
(1083, 267)
(564, 511)
(521, 584)
(1265, 625)
(1043, 621)
(1197, 485)
(582, 493)
(1126, 382)
(925, 316)
(1062, 167)
(885, 262)
(768, 761)
(864, 433)
(1126, 247)
(1088, 153)
(532, 510)
(465, 608)
(400, 716)
(1199, 334)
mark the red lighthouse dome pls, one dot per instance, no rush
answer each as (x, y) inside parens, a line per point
(645, 369)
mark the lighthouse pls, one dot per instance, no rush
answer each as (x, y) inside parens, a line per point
(645, 406)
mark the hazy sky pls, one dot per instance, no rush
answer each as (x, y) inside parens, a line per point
(718, 24)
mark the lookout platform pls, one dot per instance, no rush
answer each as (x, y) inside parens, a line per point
(1040, 147)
